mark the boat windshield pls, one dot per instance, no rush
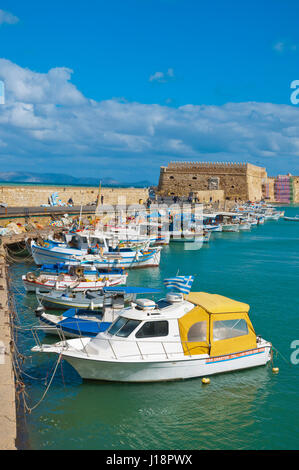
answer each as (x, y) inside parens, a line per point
(163, 304)
(123, 327)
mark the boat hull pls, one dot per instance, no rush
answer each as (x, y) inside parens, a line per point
(244, 227)
(65, 302)
(32, 286)
(176, 369)
(230, 228)
(70, 327)
(149, 258)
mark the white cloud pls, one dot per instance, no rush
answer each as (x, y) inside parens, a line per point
(6, 17)
(157, 76)
(162, 77)
(284, 46)
(47, 123)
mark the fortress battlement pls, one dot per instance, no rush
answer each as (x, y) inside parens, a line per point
(202, 165)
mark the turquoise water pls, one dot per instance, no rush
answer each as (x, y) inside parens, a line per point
(252, 409)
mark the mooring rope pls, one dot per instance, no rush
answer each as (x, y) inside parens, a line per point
(278, 352)
(30, 409)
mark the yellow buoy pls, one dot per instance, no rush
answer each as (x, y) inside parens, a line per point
(275, 370)
(205, 380)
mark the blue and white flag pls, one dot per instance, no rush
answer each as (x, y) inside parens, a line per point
(181, 283)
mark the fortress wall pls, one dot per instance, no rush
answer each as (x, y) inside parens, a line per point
(256, 178)
(209, 196)
(31, 196)
(296, 189)
(181, 178)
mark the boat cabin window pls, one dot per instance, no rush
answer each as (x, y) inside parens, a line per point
(226, 329)
(152, 329)
(95, 241)
(123, 327)
(198, 332)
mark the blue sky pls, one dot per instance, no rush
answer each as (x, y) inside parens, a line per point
(142, 82)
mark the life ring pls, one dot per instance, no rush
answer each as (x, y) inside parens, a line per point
(31, 277)
(79, 271)
(46, 244)
(40, 242)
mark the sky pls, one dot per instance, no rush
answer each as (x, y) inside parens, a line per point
(117, 89)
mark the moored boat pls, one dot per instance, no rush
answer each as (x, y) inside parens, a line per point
(244, 226)
(77, 278)
(230, 227)
(292, 219)
(75, 323)
(175, 338)
(128, 258)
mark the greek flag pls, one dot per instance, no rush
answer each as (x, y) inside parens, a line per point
(181, 283)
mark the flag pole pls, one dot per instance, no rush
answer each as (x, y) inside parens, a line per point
(98, 199)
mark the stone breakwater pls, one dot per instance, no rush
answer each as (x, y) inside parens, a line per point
(32, 196)
(7, 381)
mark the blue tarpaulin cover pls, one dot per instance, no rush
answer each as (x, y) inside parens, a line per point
(131, 290)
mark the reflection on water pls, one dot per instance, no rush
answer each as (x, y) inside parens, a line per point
(172, 415)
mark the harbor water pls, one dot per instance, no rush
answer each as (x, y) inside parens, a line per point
(251, 409)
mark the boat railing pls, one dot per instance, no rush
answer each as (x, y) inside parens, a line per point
(62, 338)
(185, 348)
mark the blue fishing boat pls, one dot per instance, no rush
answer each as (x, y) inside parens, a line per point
(75, 323)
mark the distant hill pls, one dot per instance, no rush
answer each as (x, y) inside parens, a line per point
(56, 178)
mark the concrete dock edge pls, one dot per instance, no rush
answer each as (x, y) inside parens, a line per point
(8, 422)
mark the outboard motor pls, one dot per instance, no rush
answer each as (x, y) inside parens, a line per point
(38, 311)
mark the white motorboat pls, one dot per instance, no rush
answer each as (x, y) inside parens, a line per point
(292, 219)
(244, 226)
(171, 339)
(188, 236)
(230, 227)
(213, 228)
(131, 234)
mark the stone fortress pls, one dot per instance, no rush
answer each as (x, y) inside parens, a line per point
(218, 182)
(207, 182)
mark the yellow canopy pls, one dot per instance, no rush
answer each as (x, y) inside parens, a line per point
(214, 303)
(216, 326)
